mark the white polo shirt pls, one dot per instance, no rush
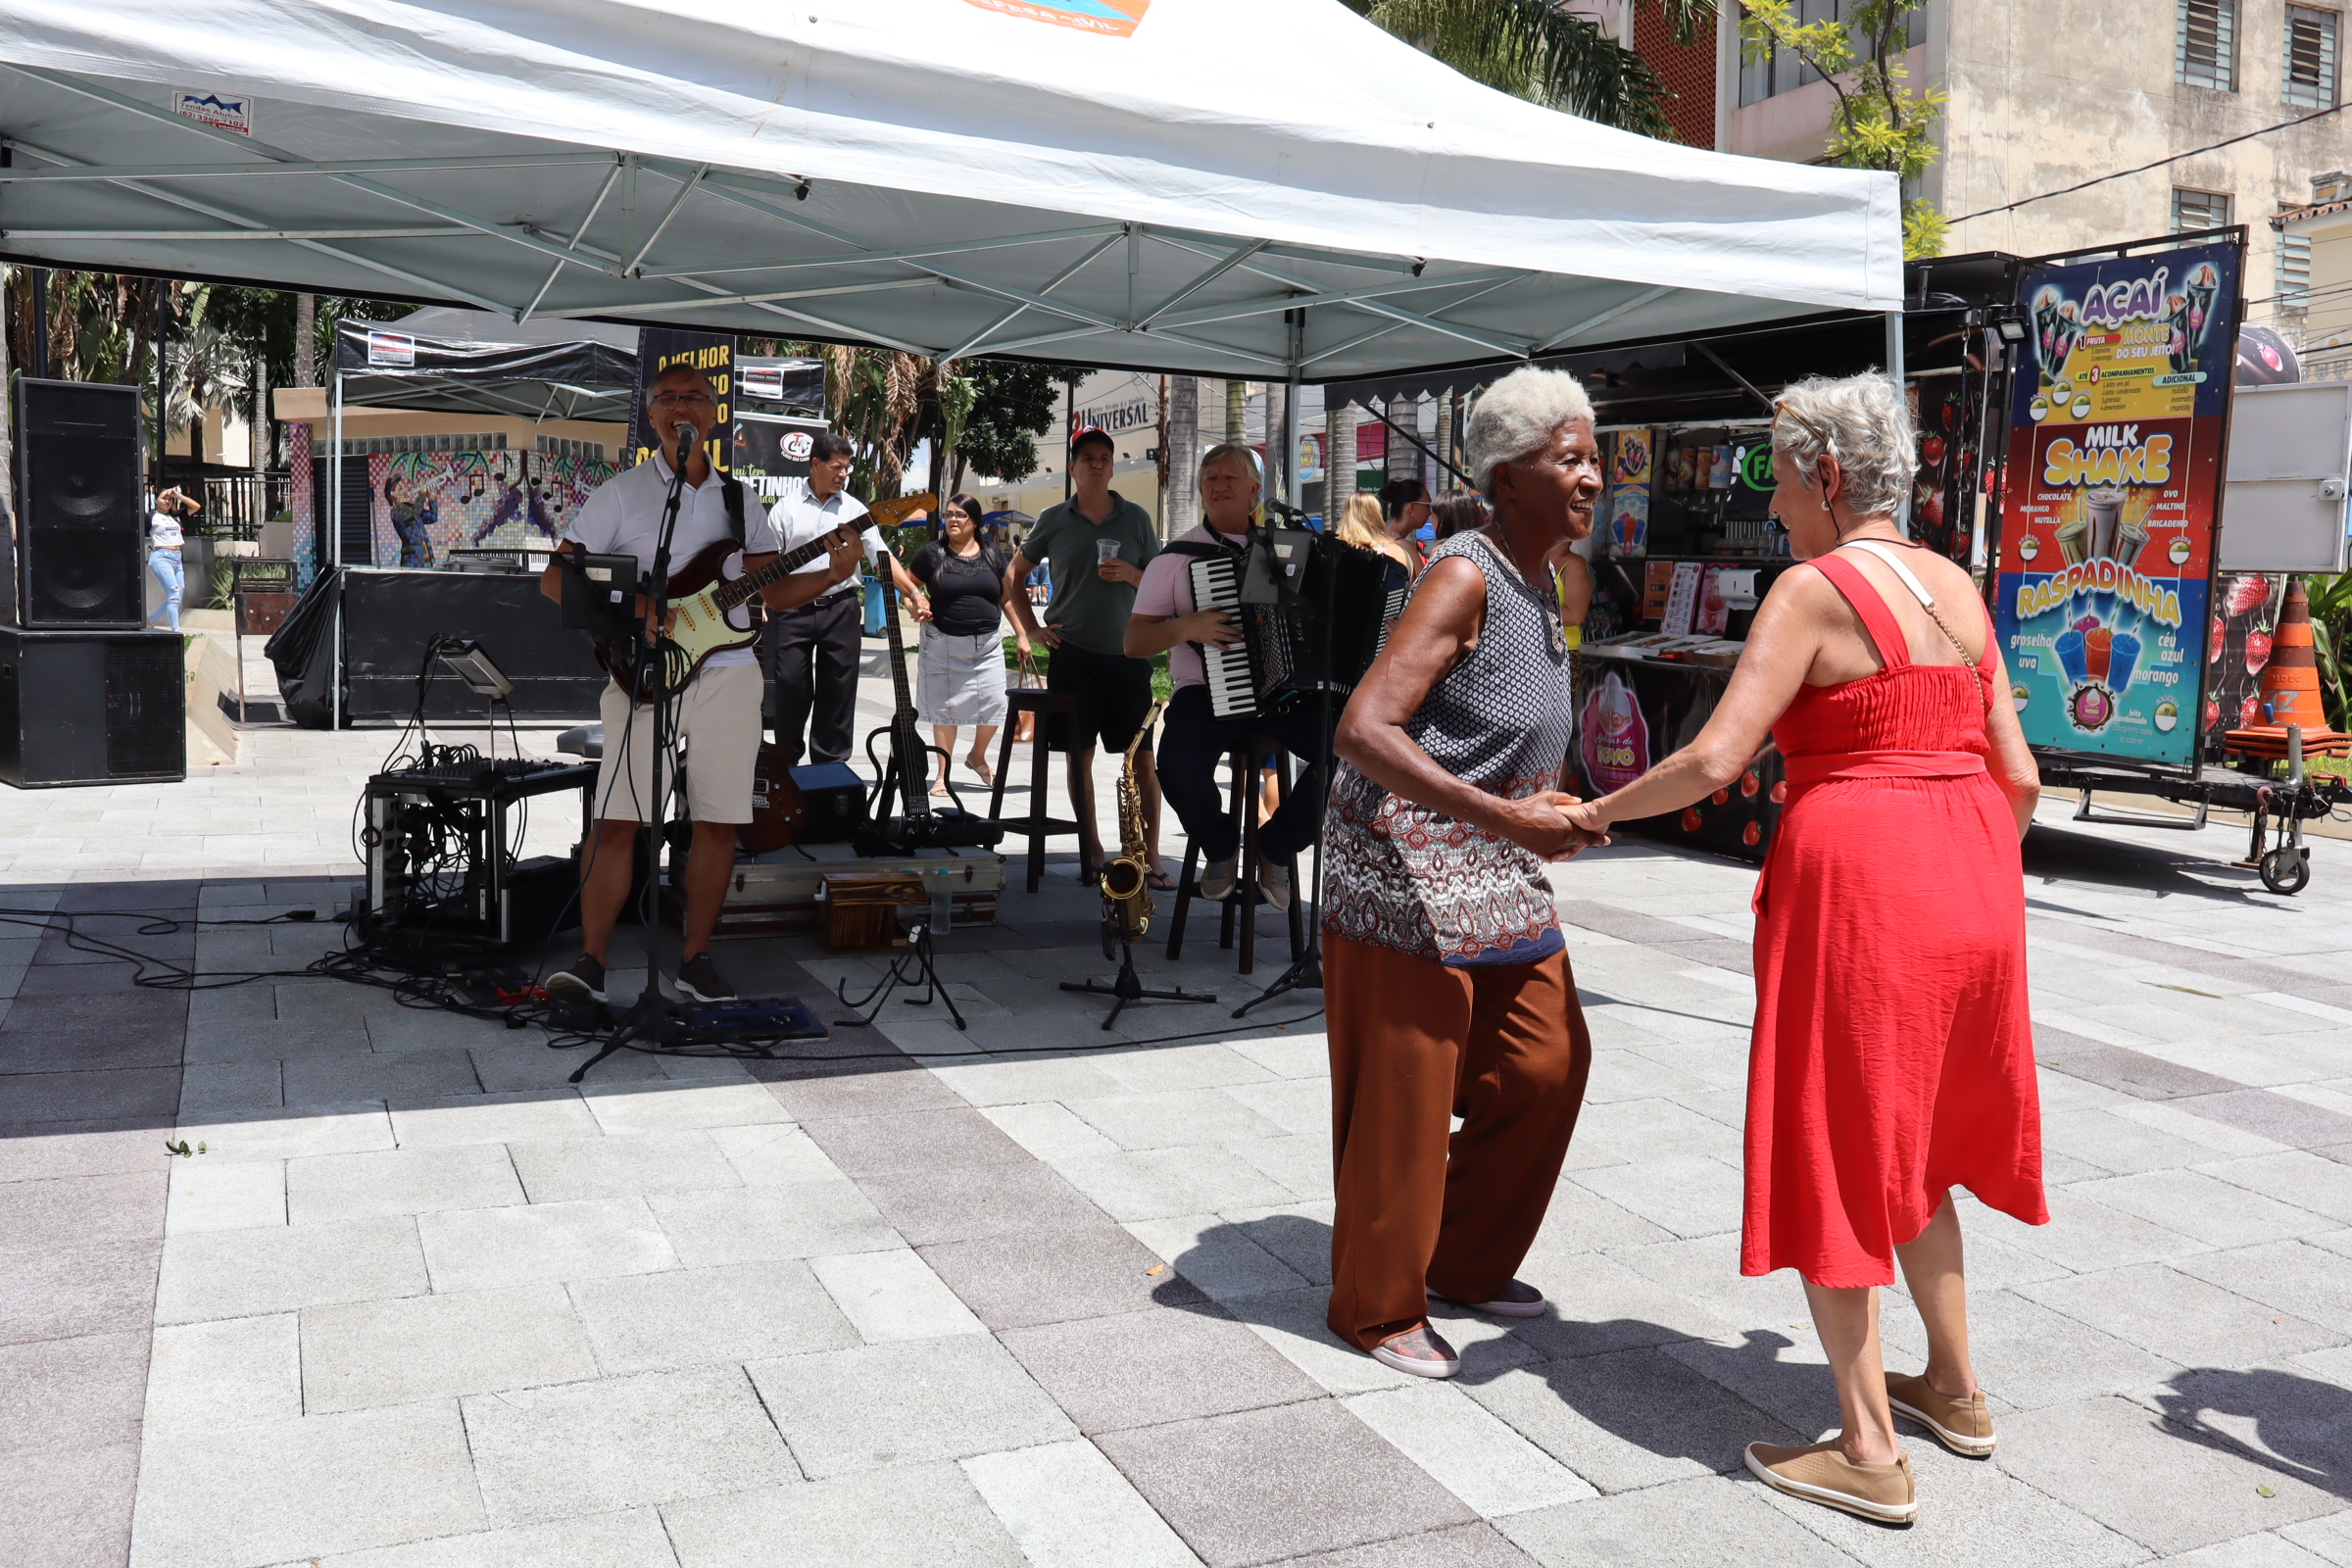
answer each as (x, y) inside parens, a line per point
(622, 516)
(798, 518)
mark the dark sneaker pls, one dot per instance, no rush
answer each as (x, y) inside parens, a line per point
(700, 979)
(1419, 1351)
(1517, 1298)
(582, 982)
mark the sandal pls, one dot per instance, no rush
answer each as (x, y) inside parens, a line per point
(1160, 882)
(987, 775)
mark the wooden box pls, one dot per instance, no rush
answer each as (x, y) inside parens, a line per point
(861, 907)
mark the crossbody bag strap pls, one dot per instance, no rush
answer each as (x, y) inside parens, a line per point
(1926, 600)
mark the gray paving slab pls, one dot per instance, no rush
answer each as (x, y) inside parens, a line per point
(242, 1273)
(762, 1224)
(2297, 1177)
(69, 1508)
(323, 1187)
(2314, 1283)
(290, 1132)
(267, 1491)
(87, 1392)
(2330, 1537)
(705, 1316)
(2087, 1236)
(74, 1097)
(224, 1372)
(484, 1248)
(626, 1538)
(2028, 1354)
(1174, 1117)
(432, 1347)
(586, 1447)
(2094, 1456)
(675, 1104)
(1024, 1278)
(1635, 1418)
(1597, 1304)
(2179, 1317)
(1682, 1524)
(2204, 1207)
(1161, 1364)
(437, 1123)
(812, 1092)
(79, 1148)
(976, 1201)
(1154, 1184)
(921, 1516)
(1067, 1506)
(42, 1215)
(911, 1403)
(1260, 1486)
(1691, 1194)
(1216, 1256)
(620, 1165)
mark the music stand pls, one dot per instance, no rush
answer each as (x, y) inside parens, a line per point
(464, 658)
(600, 593)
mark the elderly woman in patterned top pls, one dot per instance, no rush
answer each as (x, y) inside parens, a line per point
(1446, 973)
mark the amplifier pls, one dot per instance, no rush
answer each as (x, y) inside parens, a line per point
(836, 800)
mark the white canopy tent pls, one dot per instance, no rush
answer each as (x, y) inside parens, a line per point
(1163, 184)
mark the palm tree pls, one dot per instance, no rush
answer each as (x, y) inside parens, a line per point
(1532, 49)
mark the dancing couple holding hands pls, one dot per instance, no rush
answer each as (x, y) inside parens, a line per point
(1891, 1055)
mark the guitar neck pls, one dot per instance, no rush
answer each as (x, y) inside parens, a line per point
(735, 592)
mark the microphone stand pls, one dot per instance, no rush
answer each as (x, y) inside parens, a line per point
(651, 1024)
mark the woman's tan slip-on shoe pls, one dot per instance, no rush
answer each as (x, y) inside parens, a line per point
(1964, 1426)
(1820, 1472)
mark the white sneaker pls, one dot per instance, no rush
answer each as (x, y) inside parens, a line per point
(1217, 879)
(1274, 881)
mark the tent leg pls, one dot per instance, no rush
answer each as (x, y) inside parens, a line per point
(1296, 487)
(334, 536)
(1895, 367)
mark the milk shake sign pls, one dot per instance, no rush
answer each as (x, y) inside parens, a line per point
(2117, 412)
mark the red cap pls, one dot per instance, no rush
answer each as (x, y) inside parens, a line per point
(1092, 432)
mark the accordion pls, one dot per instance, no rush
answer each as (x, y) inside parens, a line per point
(1313, 612)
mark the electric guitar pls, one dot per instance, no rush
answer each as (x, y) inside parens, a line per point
(712, 610)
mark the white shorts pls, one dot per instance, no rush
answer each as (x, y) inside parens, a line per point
(718, 720)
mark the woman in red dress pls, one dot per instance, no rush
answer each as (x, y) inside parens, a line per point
(1893, 1057)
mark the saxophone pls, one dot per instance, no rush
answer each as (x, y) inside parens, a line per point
(1126, 880)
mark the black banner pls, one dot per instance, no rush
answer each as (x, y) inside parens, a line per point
(712, 353)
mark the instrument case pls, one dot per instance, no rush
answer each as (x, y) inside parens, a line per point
(778, 893)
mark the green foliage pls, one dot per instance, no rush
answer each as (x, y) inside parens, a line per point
(1532, 49)
(1014, 402)
(2330, 600)
(1881, 122)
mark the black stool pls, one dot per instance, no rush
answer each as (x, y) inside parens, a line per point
(1036, 825)
(1243, 901)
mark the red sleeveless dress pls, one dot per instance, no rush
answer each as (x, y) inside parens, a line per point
(1893, 1057)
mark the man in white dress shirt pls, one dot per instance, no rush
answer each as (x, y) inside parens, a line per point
(811, 652)
(717, 714)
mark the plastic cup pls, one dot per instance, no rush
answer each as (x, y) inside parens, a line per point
(2069, 650)
(2122, 656)
(2073, 541)
(2098, 652)
(2131, 542)
(1106, 551)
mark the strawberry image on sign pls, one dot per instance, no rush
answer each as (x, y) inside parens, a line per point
(2246, 593)
(2213, 644)
(2258, 652)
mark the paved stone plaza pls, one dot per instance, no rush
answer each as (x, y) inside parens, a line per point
(1039, 1294)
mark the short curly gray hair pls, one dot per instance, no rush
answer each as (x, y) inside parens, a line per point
(1517, 416)
(1864, 423)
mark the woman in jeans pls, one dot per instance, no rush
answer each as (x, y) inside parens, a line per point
(163, 552)
(961, 680)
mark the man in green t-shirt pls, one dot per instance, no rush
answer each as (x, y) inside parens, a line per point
(1095, 547)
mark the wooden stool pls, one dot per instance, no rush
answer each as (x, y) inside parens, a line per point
(1243, 901)
(1036, 825)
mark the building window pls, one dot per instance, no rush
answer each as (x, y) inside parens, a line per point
(2310, 57)
(2294, 271)
(1776, 72)
(2195, 209)
(2206, 53)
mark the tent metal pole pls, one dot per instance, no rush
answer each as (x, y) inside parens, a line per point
(1290, 416)
(1895, 367)
(334, 512)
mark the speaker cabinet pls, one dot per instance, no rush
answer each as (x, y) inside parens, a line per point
(79, 510)
(91, 708)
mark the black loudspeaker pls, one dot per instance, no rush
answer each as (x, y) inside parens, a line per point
(91, 708)
(78, 511)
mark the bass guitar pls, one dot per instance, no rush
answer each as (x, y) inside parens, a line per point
(908, 771)
(713, 610)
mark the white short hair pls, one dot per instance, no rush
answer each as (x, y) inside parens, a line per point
(1863, 422)
(1517, 416)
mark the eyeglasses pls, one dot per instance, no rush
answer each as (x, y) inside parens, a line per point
(681, 400)
(1815, 430)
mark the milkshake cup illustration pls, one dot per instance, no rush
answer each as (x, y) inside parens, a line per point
(2045, 334)
(2105, 509)
(2098, 652)
(2182, 356)
(2122, 656)
(2069, 649)
(2074, 541)
(2131, 542)
(2203, 284)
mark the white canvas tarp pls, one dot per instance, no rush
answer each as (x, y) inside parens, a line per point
(1156, 183)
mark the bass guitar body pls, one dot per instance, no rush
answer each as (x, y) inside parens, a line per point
(779, 810)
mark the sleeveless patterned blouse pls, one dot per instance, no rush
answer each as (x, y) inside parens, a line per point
(1400, 875)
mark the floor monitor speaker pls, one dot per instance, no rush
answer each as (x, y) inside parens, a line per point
(78, 509)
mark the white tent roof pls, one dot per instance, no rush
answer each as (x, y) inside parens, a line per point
(1120, 182)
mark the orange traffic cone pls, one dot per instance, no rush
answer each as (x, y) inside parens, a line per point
(2291, 681)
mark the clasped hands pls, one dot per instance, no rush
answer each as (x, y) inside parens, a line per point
(1555, 824)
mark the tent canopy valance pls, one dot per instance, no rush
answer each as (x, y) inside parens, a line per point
(1152, 184)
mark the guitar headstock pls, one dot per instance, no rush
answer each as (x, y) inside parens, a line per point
(897, 509)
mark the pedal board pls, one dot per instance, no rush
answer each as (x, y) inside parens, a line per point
(754, 1018)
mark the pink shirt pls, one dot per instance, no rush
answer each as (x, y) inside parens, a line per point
(1167, 590)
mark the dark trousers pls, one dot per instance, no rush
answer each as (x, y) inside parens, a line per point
(1190, 744)
(812, 655)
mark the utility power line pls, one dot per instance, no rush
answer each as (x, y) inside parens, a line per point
(2127, 173)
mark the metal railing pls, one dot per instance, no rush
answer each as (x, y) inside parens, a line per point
(236, 507)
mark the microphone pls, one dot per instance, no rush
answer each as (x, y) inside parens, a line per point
(687, 435)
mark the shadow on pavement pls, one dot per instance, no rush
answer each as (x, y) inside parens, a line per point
(2302, 1425)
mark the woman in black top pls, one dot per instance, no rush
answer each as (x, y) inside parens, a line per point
(961, 680)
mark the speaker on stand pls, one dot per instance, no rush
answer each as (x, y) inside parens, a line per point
(87, 693)
(80, 516)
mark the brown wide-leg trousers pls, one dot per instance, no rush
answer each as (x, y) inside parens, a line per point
(1421, 1208)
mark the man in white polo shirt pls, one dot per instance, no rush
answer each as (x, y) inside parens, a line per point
(811, 652)
(716, 716)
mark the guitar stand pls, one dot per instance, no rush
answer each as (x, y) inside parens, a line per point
(926, 974)
(1130, 987)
